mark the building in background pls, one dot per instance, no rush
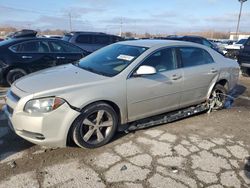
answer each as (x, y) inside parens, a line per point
(234, 36)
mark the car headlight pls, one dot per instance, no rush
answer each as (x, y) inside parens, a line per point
(43, 105)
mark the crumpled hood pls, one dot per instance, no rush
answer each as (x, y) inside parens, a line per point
(57, 78)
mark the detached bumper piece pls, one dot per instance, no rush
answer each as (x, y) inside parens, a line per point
(167, 118)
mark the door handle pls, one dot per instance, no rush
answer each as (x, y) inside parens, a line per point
(213, 71)
(60, 57)
(26, 57)
(176, 77)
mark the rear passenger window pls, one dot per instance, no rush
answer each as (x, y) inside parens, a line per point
(206, 43)
(62, 47)
(86, 39)
(31, 47)
(194, 56)
(101, 39)
(115, 39)
(195, 40)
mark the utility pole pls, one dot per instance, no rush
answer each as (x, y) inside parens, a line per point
(70, 22)
(238, 24)
(121, 27)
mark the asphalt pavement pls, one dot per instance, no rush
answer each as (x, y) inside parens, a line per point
(207, 150)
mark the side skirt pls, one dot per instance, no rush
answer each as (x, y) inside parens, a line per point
(164, 118)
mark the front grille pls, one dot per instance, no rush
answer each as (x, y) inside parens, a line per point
(10, 110)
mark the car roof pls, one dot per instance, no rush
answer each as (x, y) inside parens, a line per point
(84, 32)
(88, 33)
(184, 36)
(193, 36)
(17, 40)
(149, 43)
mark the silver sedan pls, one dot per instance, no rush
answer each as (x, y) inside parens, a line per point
(115, 87)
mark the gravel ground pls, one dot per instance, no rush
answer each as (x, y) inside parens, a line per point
(208, 150)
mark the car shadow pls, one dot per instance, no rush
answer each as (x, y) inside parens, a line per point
(234, 94)
(10, 143)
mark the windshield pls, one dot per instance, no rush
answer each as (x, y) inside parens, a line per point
(4, 42)
(111, 60)
(242, 41)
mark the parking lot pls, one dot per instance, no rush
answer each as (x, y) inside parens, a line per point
(208, 150)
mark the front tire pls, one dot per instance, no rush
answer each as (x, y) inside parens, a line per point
(14, 75)
(96, 126)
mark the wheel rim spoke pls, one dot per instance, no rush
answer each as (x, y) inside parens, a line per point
(99, 135)
(106, 124)
(88, 122)
(99, 116)
(88, 135)
(97, 126)
(218, 103)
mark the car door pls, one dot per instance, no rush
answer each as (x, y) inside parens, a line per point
(199, 70)
(244, 56)
(33, 55)
(154, 94)
(65, 52)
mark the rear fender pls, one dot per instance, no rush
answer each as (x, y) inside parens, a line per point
(212, 84)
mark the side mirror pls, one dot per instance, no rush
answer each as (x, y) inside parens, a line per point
(145, 70)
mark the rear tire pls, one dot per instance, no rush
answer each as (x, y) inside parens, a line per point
(14, 74)
(95, 127)
(218, 97)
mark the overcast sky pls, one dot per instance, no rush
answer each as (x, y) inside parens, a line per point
(154, 16)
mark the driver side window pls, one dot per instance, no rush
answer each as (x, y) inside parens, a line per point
(162, 60)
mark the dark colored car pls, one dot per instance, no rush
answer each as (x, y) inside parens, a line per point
(22, 33)
(21, 56)
(195, 39)
(91, 41)
(244, 58)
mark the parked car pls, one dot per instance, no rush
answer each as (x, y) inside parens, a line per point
(244, 58)
(21, 56)
(195, 39)
(21, 34)
(53, 36)
(118, 86)
(222, 44)
(91, 41)
(232, 50)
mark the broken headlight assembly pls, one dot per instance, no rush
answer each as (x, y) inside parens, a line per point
(43, 105)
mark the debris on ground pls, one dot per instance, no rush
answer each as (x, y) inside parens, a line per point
(12, 164)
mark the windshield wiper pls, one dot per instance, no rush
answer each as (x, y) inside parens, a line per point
(95, 71)
(76, 63)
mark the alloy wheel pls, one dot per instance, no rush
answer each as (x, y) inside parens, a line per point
(96, 127)
(216, 100)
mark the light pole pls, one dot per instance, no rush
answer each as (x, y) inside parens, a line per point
(238, 24)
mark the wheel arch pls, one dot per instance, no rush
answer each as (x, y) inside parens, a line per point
(222, 81)
(15, 67)
(116, 108)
